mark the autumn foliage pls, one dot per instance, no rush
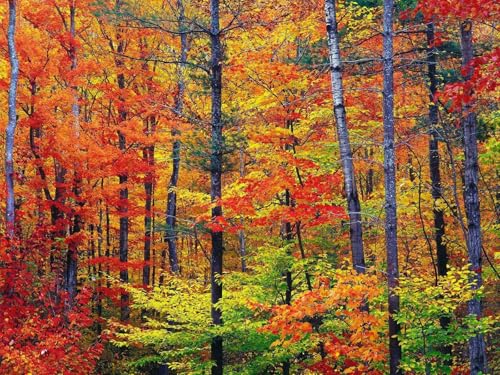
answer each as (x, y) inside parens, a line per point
(108, 266)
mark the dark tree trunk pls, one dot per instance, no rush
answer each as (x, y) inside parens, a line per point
(390, 187)
(149, 158)
(287, 235)
(241, 233)
(34, 135)
(59, 226)
(353, 205)
(123, 241)
(434, 160)
(477, 347)
(216, 179)
(370, 173)
(123, 210)
(71, 275)
(99, 269)
(123, 179)
(171, 214)
(12, 122)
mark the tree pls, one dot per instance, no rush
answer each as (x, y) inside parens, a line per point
(171, 213)
(123, 176)
(351, 191)
(216, 151)
(71, 274)
(434, 157)
(11, 126)
(477, 346)
(391, 239)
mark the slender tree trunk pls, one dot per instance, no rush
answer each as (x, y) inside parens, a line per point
(123, 179)
(34, 135)
(390, 187)
(57, 264)
(243, 246)
(286, 366)
(12, 122)
(171, 213)
(123, 230)
(216, 179)
(108, 241)
(434, 161)
(288, 237)
(353, 205)
(241, 232)
(100, 240)
(434, 157)
(370, 173)
(477, 347)
(149, 158)
(71, 275)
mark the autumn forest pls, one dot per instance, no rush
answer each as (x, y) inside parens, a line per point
(249, 187)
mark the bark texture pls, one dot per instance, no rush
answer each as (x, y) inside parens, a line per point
(123, 179)
(477, 346)
(148, 155)
(351, 191)
(12, 121)
(71, 275)
(434, 157)
(390, 187)
(171, 213)
(216, 178)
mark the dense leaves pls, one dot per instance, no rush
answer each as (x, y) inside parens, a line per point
(114, 160)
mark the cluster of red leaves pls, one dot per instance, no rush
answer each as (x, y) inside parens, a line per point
(39, 333)
(461, 10)
(355, 346)
(484, 80)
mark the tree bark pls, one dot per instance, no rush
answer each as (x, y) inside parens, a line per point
(241, 233)
(434, 157)
(149, 158)
(12, 121)
(216, 179)
(123, 179)
(71, 275)
(171, 213)
(434, 162)
(353, 205)
(477, 347)
(390, 187)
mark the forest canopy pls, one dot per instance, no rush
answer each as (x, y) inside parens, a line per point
(249, 187)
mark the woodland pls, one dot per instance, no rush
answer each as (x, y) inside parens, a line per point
(249, 187)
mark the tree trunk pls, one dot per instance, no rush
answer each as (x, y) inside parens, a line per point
(390, 187)
(241, 233)
(216, 179)
(477, 347)
(71, 275)
(370, 173)
(107, 252)
(353, 205)
(434, 160)
(123, 179)
(100, 240)
(12, 122)
(149, 158)
(171, 214)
